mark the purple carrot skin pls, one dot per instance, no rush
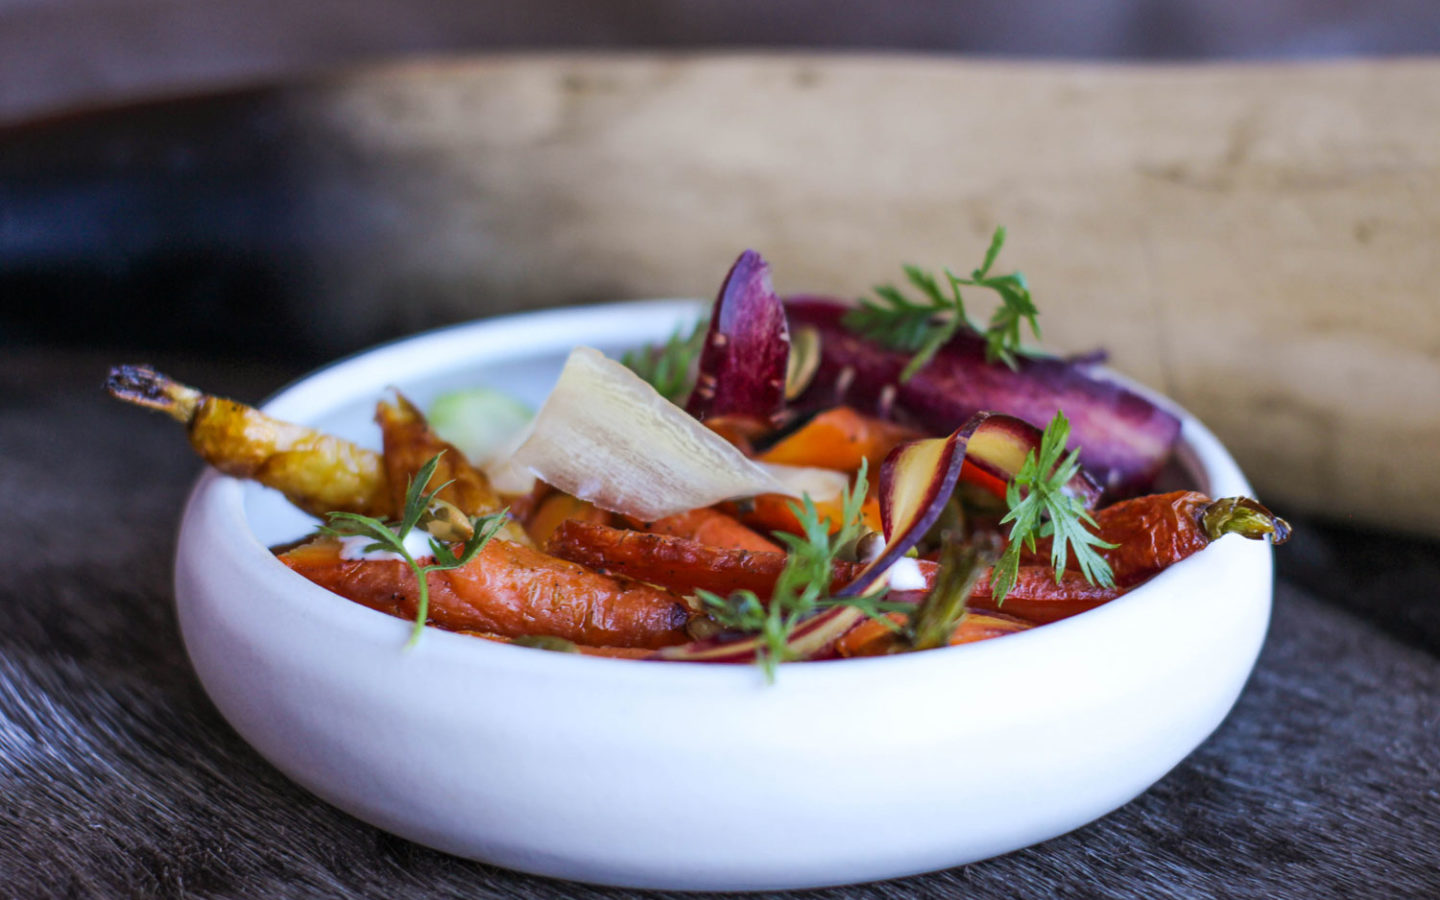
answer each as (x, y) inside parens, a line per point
(998, 449)
(1124, 439)
(743, 362)
(918, 477)
(916, 480)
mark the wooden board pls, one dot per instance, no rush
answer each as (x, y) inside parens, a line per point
(1258, 241)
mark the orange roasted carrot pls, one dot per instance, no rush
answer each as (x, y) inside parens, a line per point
(1158, 530)
(557, 507)
(710, 526)
(1037, 598)
(681, 564)
(506, 590)
(739, 432)
(981, 626)
(410, 443)
(840, 438)
(772, 512)
(872, 638)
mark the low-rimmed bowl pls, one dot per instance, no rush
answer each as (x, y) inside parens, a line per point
(686, 775)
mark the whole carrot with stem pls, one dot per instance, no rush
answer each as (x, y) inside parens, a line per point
(1151, 532)
(506, 590)
(318, 472)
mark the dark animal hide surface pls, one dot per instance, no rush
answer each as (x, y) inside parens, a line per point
(120, 780)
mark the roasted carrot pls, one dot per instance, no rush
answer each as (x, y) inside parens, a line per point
(557, 507)
(873, 638)
(410, 443)
(317, 472)
(840, 438)
(1157, 530)
(710, 526)
(981, 626)
(740, 433)
(507, 590)
(681, 564)
(684, 566)
(1037, 598)
(773, 512)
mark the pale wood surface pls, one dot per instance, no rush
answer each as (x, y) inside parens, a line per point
(1258, 241)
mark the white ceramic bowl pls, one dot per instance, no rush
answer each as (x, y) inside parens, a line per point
(684, 775)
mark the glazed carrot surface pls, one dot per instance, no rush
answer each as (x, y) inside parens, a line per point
(840, 438)
(557, 507)
(713, 527)
(507, 590)
(1152, 532)
(775, 512)
(680, 564)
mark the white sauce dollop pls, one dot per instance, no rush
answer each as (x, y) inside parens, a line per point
(417, 544)
(905, 575)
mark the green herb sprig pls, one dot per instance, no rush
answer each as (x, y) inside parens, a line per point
(390, 536)
(934, 619)
(923, 327)
(1040, 507)
(670, 367)
(803, 587)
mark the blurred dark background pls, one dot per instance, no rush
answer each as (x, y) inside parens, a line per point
(59, 54)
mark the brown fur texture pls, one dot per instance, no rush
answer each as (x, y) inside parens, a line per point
(121, 780)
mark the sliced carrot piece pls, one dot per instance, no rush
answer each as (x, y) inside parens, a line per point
(840, 438)
(981, 626)
(710, 526)
(557, 507)
(772, 512)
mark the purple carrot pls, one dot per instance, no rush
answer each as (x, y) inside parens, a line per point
(1124, 439)
(742, 366)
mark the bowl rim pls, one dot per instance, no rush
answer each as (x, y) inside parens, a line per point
(449, 347)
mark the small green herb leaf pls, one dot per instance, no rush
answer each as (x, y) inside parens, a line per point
(670, 367)
(1040, 507)
(923, 327)
(940, 613)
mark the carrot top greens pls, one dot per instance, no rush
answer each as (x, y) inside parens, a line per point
(670, 367)
(1040, 507)
(923, 327)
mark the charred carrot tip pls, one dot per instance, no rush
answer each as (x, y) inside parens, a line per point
(143, 386)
